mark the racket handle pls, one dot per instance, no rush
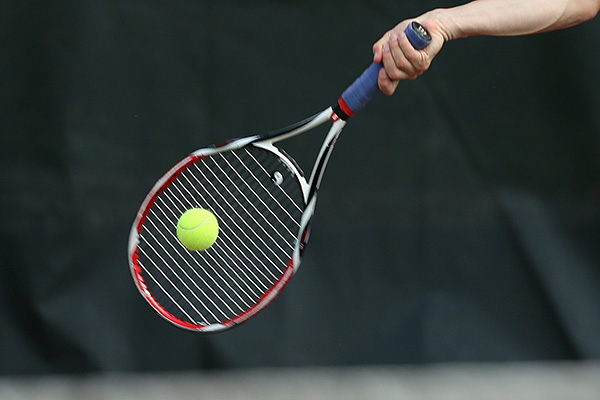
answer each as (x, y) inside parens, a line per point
(358, 94)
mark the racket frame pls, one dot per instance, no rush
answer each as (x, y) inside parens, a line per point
(309, 189)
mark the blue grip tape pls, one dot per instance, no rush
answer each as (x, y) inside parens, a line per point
(362, 89)
(358, 94)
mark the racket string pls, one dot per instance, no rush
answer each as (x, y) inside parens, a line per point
(176, 249)
(258, 221)
(164, 291)
(252, 216)
(285, 193)
(176, 281)
(178, 289)
(212, 262)
(264, 190)
(174, 216)
(230, 245)
(233, 215)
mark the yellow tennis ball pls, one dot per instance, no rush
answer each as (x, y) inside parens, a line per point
(197, 229)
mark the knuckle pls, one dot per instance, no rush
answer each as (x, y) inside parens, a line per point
(421, 63)
(396, 74)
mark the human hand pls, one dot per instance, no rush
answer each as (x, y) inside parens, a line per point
(400, 59)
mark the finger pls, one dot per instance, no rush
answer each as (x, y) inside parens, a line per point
(377, 54)
(386, 85)
(394, 61)
(405, 68)
(417, 59)
(378, 47)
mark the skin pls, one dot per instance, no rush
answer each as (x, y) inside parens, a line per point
(479, 17)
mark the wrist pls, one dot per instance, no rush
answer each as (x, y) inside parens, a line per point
(440, 21)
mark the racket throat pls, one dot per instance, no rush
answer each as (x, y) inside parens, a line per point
(323, 158)
(304, 232)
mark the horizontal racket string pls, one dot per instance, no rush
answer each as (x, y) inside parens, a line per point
(259, 222)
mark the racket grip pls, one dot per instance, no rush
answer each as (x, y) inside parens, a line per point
(358, 94)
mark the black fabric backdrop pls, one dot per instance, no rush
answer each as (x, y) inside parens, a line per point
(459, 220)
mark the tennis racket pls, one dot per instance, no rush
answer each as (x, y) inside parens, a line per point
(264, 205)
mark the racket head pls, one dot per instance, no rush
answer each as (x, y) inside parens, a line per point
(258, 195)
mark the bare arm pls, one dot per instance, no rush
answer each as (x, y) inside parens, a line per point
(479, 17)
(514, 17)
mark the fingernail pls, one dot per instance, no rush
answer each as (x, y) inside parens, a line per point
(393, 37)
(383, 74)
(386, 47)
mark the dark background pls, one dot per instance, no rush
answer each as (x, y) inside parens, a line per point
(459, 219)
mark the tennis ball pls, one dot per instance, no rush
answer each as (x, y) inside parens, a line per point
(197, 229)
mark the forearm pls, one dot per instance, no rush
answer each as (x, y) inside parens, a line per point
(511, 17)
